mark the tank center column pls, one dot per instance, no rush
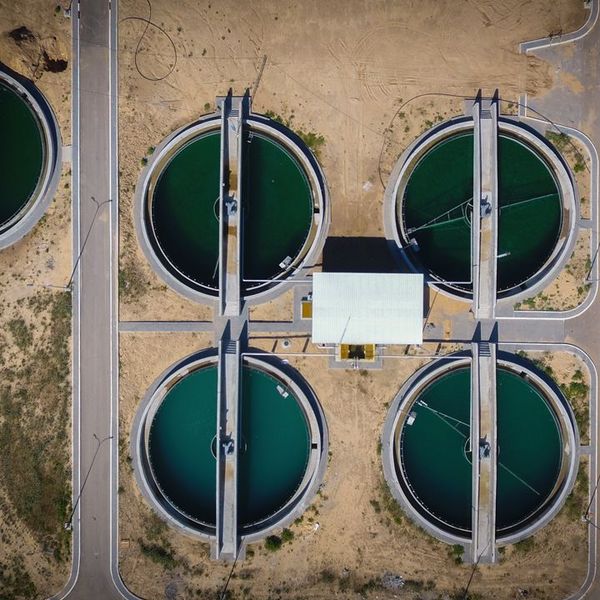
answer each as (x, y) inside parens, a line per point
(484, 231)
(233, 317)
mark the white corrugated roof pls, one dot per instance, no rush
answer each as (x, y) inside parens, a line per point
(367, 308)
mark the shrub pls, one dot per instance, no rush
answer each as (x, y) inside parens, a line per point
(287, 535)
(525, 546)
(161, 555)
(273, 543)
(456, 552)
(21, 333)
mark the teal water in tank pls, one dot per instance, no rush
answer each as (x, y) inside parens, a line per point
(436, 459)
(21, 153)
(529, 451)
(438, 202)
(277, 207)
(435, 451)
(183, 209)
(274, 448)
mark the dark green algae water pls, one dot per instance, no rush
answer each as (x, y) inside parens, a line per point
(276, 216)
(271, 465)
(438, 202)
(21, 153)
(435, 453)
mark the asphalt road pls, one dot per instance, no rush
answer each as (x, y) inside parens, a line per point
(94, 309)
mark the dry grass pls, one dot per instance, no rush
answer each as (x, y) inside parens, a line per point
(569, 289)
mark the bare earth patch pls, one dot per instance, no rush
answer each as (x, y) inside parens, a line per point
(569, 289)
(369, 82)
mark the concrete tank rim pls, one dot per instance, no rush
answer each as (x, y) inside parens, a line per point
(319, 195)
(423, 377)
(33, 210)
(523, 133)
(146, 481)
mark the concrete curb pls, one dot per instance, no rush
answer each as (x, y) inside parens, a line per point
(525, 47)
(285, 515)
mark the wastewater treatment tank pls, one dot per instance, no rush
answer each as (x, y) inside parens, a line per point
(284, 208)
(433, 202)
(278, 462)
(429, 465)
(30, 156)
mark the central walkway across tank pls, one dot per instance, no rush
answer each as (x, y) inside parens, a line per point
(484, 205)
(215, 494)
(460, 456)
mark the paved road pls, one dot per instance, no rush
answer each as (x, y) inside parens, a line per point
(94, 310)
(94, 306)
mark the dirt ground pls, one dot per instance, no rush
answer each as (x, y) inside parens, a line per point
(34, 343)
(353, 534)
(369, 81)
(573, 377)
(369, 78)
(569, 289)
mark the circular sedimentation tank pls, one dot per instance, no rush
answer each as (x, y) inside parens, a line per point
(283, 208)
(279, 457)
(433, 198)
(29, 152)
(430, 461)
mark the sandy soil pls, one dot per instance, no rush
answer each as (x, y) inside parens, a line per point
(369, 81)
(278, 309)
(578, 158)
(348, 540)
(573, 377)
(351, 83)
(569, 289)
(41, 259)
(51, 35)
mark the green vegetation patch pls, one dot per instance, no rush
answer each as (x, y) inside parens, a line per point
(21, 333)
(15, 581)
(577, 500)
(132, 282)
(312, 139)
(455, 552)
(273, 543)
(161, 554)
(34, 409)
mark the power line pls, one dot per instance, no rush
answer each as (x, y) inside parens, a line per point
(69, 522)
(466, 594)
(224, 590)
(99, 205)
(463, 97)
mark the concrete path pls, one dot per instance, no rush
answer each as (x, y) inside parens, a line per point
(484, 453)
(577, 107)
(228, 445)
(484, 218)
(230, 199)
